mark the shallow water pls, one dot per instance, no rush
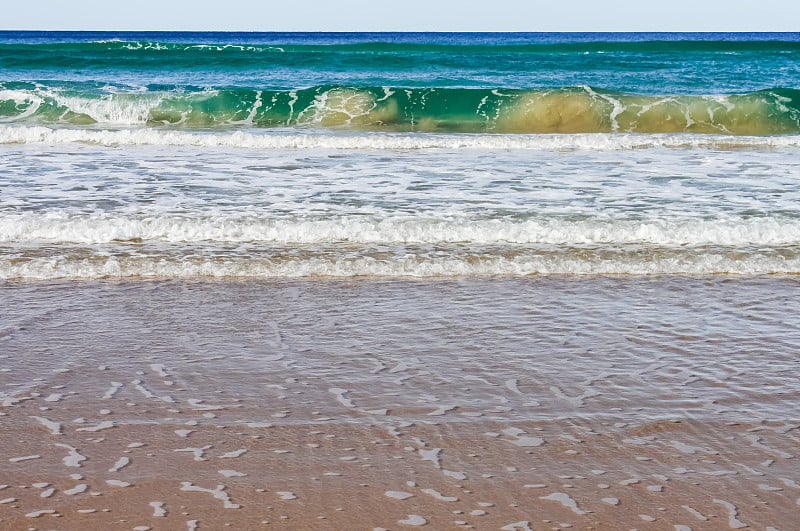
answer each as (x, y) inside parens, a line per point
(420, 206)
(263, 156)
(519, 403)
(533, 330)
(643, 349)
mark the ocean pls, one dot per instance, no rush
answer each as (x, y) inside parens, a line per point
(295, 155)
(494, 281)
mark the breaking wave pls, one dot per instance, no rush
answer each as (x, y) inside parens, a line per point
(460, 110)
(67, 246)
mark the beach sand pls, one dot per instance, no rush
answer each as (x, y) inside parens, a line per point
(536, 403)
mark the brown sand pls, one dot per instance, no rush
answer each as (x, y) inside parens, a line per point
(106, 443)
(335, 475)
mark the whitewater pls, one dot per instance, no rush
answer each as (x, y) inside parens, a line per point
(269, 156)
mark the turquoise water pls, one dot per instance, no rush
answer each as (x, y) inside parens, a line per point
(426, 155)
(507, 83)
(472, 251)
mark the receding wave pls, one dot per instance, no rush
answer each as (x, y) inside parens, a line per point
(60, 228)
(567, 110)
(104, 246)
(383, 141)
(409, 261)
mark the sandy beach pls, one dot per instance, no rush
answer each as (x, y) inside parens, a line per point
(549, 403)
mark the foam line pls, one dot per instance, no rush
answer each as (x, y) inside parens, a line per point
(576, 109)
(657, 262)
(62, 227)
(384, 141)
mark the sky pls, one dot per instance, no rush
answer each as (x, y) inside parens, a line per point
(406, 15)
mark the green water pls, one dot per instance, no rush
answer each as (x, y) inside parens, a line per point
(744, 84)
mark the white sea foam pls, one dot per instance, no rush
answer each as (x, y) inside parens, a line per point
(368, 141)
(62, 227)
(25, 101)
(513, 205)
(110, 109)
(642, 263)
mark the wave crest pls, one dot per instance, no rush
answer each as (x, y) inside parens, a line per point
(259, 140)
(567, 110)
(66, 263)
(357, 230)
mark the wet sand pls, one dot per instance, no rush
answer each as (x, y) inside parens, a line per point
(602, 403)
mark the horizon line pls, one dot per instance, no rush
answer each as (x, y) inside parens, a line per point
(29, 30)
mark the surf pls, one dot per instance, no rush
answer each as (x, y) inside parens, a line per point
(568, 110)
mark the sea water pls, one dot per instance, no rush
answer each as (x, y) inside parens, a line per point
(454, 279)
(303, 155)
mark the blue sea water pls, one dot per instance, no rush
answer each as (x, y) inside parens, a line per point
(264, 155)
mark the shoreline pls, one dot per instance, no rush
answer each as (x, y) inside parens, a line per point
(603, 403)
(551, 475)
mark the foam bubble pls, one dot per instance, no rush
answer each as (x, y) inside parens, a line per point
(24, 103)
(413, 520)
(24, 458)
(398, 495)
(110, 109)
(565, 500)
(343, 106)
(439, 496)
(37, 514)
(57, 227)
(73, 458)
(218, 493)
(381, 141)
(121, 463)
(159, 509)
(658, 261)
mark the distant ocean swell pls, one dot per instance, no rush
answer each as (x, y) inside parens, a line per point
(573, 110)
(367, 54)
